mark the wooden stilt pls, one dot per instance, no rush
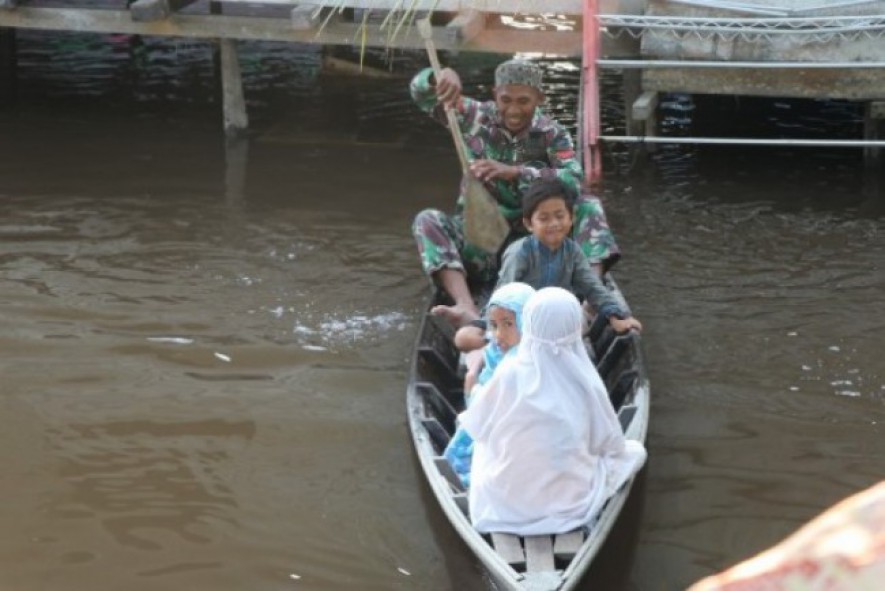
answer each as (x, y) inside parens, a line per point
(236, 160)
(7, 65)
(234, 104)
(215, 9)
(643, 113)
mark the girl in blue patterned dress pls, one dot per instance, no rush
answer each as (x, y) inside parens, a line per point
(504, 312)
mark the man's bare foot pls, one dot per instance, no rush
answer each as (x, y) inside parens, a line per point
(457, 315)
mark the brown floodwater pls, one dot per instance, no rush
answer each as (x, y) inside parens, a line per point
(204, 344)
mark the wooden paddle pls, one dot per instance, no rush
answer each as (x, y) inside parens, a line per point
(484, 226)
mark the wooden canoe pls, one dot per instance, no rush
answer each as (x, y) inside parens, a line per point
(435, 396)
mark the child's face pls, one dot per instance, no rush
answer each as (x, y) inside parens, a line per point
(551, 222)
(502, 326)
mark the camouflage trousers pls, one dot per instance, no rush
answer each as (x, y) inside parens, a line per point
(441, 245)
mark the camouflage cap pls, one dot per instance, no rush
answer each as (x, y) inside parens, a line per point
(518, 71)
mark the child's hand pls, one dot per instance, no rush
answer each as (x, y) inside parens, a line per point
(474, 363)
(623, 325)
(469, 382)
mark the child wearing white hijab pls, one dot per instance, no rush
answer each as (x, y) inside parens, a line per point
(548, 447)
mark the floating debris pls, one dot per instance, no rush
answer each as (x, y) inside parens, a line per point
(404, 571)
(174, 340)
(313, 348)
(223, 357)
(294, 576)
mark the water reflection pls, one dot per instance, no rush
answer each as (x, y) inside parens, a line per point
(144, 481)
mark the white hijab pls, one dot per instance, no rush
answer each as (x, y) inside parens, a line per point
(549, 449)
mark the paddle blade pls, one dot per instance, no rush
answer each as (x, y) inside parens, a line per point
(484, 226)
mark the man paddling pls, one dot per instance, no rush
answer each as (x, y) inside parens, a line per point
(511, 143)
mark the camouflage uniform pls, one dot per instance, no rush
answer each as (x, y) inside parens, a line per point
(543, 150)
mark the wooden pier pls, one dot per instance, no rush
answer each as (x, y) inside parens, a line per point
(777, 48)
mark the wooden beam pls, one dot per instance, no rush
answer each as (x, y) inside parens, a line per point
(155, 10)
(857, 85)
(466, 26)
(565, 7)
(508, 547)
(566, 546)
(644, 106)
(496, 40)
(538, 553)
(305, 17)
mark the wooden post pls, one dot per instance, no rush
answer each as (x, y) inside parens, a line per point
(873, 127)
(215, 10)
(644, 109)
(234, 105)
(236, 160)
(7, 65)
(591, 52)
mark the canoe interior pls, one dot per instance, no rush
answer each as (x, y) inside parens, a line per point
(435, 396)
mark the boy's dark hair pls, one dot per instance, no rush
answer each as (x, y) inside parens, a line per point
(542, 190)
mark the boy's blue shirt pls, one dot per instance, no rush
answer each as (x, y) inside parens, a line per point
(529, 261)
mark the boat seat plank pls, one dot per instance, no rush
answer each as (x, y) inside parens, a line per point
(437, 405)
(538, 553)
(625, 416)
(624, 385)
(614, 352)
(438, 434)
(508, 547)
(435, 356)
(463, 503)
(566, 545)
(447, 472)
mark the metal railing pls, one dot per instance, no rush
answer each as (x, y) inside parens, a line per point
(773, 24)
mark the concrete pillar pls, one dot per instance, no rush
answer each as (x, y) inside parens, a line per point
(7, 65)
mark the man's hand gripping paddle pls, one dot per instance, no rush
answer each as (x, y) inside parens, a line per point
(484, 226)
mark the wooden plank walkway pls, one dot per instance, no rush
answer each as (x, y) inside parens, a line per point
(735, 47)
(478, 25)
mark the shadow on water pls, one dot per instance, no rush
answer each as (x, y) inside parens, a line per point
(612, 567)
(464, 571)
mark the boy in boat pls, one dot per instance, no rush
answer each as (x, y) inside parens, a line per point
(549, 257)
(512, 143)
(548, 447)
(504, 313)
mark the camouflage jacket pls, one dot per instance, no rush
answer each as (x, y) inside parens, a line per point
(544, 149)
